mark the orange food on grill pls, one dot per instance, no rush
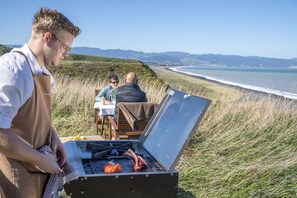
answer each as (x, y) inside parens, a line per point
(111, 167)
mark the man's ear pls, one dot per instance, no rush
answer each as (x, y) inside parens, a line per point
(47, 37)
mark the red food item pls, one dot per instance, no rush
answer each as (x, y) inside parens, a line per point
(111, 167)
(139, 162)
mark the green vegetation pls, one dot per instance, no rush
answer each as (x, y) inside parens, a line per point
(97, 68)
(4, 49)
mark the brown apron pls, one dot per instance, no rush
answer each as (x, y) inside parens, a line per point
(32, 124)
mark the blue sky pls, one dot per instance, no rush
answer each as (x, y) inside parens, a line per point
(266, 28)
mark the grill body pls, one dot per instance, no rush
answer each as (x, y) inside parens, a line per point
(84, 176)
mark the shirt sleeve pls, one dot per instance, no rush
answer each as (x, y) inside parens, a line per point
(98, 97)
(103, 93)
(16, 87)
(8, 108)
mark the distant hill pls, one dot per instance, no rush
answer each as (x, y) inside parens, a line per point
(183, 58)
(98, 68)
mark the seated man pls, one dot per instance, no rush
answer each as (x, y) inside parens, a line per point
(129, 92)
(105, 92)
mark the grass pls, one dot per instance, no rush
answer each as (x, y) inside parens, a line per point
(245, 146)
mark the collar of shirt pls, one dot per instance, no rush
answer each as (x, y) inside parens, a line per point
(36, 69)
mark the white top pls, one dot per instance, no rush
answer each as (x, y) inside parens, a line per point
(16, 82)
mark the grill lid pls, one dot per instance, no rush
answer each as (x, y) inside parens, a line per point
(172, 126)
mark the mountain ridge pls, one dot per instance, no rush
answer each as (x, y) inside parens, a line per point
(176, 58)
(184, 58)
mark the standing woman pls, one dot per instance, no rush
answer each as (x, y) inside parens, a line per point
(25, 107)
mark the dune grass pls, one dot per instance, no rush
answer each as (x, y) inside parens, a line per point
(245, 146)
(243, 150)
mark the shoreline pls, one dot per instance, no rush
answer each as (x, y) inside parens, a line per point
(259, 93)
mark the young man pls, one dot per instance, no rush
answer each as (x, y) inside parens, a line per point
(25, 107)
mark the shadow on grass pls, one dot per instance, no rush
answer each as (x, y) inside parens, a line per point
(181, 193)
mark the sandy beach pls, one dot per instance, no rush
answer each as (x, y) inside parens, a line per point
(256, 95)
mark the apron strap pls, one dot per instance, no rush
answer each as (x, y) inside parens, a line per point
(22, 53)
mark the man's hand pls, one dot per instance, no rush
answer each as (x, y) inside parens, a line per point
(58, 149)
(47, 163)
(14, 147)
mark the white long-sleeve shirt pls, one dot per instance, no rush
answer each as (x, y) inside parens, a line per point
(16, 82)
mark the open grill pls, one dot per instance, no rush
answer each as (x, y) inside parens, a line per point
(160, 145)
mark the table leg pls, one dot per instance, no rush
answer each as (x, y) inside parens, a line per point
(96, 123)
(102, 126)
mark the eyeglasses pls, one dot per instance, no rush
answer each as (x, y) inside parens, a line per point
(114, 82)
(66, 47)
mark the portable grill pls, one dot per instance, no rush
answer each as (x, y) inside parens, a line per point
(161, 145)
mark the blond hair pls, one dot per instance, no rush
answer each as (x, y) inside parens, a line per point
(48, 20)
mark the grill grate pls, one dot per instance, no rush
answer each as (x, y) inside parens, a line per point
(104, 152)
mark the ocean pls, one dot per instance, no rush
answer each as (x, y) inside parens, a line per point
(282, 82)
